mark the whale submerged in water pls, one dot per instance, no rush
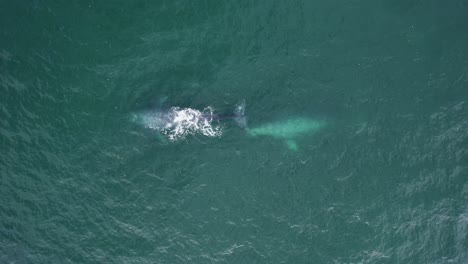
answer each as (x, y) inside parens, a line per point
(176, 123)
(288, 130)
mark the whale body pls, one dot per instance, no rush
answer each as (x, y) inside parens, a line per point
(176, 123)
(288, 130)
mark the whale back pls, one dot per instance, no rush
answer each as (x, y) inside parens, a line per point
(239, 114)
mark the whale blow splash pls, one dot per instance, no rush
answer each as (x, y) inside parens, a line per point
(177, 123)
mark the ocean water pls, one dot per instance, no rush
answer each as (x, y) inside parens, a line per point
(384, 180)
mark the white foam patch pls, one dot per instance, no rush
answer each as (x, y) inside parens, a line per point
(178, 123)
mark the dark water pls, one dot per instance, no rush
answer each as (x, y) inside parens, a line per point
(385, 182)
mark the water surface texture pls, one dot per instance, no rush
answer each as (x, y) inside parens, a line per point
(354, 150)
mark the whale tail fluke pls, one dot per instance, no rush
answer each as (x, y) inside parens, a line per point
(239, 114)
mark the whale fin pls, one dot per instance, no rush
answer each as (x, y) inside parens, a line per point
(239, 114)
(292, 144)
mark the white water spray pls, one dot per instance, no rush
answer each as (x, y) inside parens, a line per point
(178, 123)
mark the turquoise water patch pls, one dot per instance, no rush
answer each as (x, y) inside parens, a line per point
(353, 148)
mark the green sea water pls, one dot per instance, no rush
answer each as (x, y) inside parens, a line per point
(385, 181)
